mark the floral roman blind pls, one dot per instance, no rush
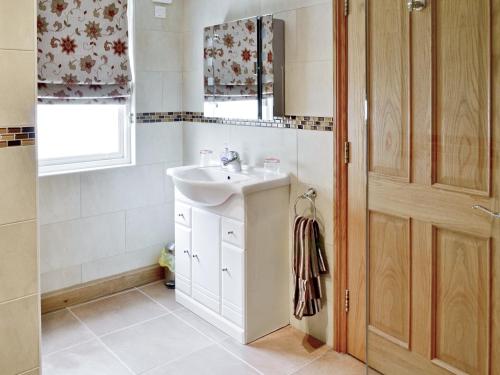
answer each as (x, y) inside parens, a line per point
(231, 60)
(83, 51)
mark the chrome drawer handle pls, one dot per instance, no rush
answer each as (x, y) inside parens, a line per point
(230, 233)
(496, 215)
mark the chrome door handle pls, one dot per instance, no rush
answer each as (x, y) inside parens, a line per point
(186, 252)
(496, 215)
(225, 269)
(196, 256)
(416, 5)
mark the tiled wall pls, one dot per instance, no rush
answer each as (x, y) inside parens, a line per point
(19, 291)
(286, 122)
(309, 83)
(97, 224)
(308, 49)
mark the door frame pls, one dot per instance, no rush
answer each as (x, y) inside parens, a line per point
(350, 310)
(341, 178)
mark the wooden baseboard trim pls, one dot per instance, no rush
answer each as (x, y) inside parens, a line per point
(74, 295)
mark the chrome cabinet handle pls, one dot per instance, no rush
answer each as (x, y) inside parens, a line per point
(416, 5)
(230, 233)
(196, 256)
(186, 252)
(181, 215)
(225, 269)
(496, 215)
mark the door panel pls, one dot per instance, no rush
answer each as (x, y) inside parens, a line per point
(183, 259)
(461, 78)
(389, 255)
(206, 258)
(462, 287)
(388, 63)
(433, 152)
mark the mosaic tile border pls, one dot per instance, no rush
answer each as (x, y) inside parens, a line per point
(15, 136)
(287, 122)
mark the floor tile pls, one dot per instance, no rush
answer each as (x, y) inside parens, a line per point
(281, 352)
(333, 363)
(150, 344)
(212, 360)
(200, 324)
(60, 330)
(118, 311)
(85, 359)
(159, 292)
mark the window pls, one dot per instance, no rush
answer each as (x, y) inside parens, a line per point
(84, 66)
(76, 137)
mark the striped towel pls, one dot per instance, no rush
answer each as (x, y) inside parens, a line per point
(308, 264)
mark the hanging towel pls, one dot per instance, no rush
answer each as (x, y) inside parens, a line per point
(308, 264)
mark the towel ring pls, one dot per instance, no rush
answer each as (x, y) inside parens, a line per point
(309, 195)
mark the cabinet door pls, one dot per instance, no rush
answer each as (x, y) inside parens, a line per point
(206, 258)
(183, 259)
(232, 283)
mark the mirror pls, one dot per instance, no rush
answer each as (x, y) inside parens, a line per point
(244, 69)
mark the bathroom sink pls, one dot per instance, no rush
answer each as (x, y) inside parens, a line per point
(212, 186)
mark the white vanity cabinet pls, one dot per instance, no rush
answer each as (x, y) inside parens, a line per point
(232, 262)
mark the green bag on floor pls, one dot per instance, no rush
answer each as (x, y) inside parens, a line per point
(167, 260)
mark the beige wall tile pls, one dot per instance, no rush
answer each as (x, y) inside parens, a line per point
(19, 327)
(17, 24)
(59, 198)
(17, 187)
(314, 33)
(17, 96)
(158, 51)
(19, 265)
(309, 88)
(60, 278)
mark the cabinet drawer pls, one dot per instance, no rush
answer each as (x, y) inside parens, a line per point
(233, 232)
(182, 214)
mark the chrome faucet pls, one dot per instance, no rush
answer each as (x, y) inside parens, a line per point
(231, 160)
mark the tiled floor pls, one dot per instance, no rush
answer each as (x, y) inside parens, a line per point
(144, 331)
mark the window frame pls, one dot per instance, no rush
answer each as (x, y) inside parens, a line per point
(124, 157)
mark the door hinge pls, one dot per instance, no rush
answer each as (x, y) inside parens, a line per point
(346, 8)
(366, 109)
(347, 152)
(346, 301)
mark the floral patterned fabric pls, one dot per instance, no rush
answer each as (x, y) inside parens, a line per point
(231, 59)
(83, 50)
(230, 56)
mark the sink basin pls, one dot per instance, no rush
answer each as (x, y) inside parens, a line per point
(212, 186)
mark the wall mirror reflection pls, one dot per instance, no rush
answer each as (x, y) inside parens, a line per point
(244, 69)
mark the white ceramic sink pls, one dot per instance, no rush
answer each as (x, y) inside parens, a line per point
(212, 186)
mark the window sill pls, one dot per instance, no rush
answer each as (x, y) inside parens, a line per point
(55, 170)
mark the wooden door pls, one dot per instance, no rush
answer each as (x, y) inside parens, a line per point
(432, 142)
(206, 229)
